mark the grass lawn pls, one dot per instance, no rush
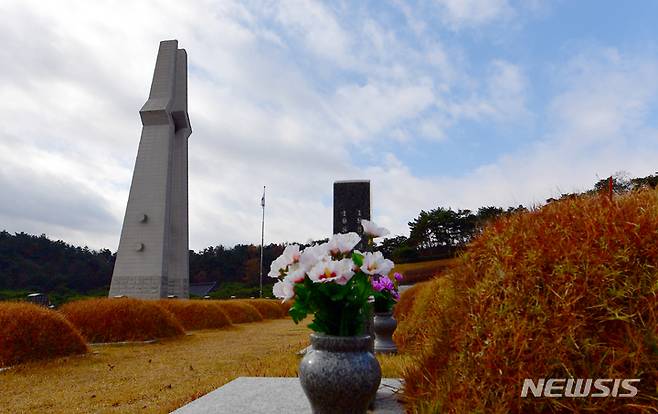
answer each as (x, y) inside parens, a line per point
(162, 376)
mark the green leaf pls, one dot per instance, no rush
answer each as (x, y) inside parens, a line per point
(298, 312)
(357, 259)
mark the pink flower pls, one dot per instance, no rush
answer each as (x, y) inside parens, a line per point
(398, 276)
(377, 285)
(387, 283)
(380, 283)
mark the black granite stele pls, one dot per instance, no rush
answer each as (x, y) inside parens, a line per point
(351, 205)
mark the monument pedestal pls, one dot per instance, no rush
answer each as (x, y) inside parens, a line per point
(266, 395)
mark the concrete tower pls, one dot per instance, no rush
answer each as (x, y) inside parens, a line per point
(153, 256)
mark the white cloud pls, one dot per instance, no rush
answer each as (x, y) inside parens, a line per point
(608, 96)
(601, 125)
(317, 27)
(280, 95)
(507, 90)
(502, 98)
(364, 112)
(465, 13)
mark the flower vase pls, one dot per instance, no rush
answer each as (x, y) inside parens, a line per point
(384, 325)
(340, 374)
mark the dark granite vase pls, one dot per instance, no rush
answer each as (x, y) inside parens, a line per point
(340, 374)
(384, 325)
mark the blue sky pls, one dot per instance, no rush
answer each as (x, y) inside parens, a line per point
(454, 103)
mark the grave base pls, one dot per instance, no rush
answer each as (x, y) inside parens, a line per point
(265, 395)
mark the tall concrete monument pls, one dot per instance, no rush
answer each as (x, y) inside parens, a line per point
(153, 257)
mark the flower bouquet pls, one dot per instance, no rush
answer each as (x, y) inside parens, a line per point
(334, 282)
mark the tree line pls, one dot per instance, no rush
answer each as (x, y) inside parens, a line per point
(36, 263)
(441, 232)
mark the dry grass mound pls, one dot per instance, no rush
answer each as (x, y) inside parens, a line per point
(431, 303)
(567, 291)
(239, 311)
(423, 271)
(30, 332)
(286, 305)
(404, 306)
(121, 319)
(196, 314)
(268, 308)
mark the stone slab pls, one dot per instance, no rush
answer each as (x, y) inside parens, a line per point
(265, 395)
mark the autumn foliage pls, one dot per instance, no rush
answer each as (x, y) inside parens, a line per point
(197, 314)
(568, 290)
(30, 332)
(121, 319)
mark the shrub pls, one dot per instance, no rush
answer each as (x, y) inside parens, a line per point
(239, 311)
(196, 314)
(268, 308)
(568, 290)
(30, 332)
(121, 319)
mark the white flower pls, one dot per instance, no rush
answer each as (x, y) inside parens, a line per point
(312, 255)
(375, 264)
(292, 253)
(289, 256)
(348, 268)
(279, 264)
(343, 243)
(296, 273)
(332, 271)
(373, 230)
(284, 290)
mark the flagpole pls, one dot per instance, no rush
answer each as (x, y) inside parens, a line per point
(262, 242)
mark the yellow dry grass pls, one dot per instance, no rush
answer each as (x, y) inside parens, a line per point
(430, 264)
(162, 376)
(421, 271)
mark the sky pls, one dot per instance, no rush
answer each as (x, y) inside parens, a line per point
(451, 103)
